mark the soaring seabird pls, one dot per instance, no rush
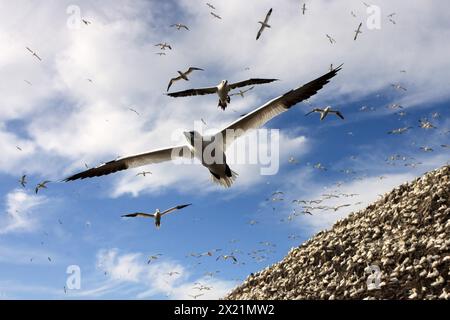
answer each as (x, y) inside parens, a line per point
(23, 180)
(34, 54)
(222, 90)
(157, 214)
(325, 112)
(182, 75)
(358, 31)
(211, 6)
(215, 15)
(163, 46)
(241, 92)
(264, 24)
(304, 8)
(196, 144)
(179, 26)
(41, 185)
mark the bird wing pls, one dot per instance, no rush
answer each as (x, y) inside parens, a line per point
(193, 92)
(268, 16)
(313, 110)
(250, 82)
(271, 109)
(172, 81)
(155, 156)
(338, 114)
(192, 69)
(260, 32)
(175, 208)
(139, 214)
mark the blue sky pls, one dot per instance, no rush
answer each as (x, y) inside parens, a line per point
(62, 121)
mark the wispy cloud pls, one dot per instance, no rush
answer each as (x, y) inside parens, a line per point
(19, 208)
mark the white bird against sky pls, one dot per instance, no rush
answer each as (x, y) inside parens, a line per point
(220, 172)
(264, 24)
(222, 90)
(325, 112)
(182, 75)
(157, 215)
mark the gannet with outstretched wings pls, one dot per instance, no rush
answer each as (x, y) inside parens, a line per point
(264, 24)
(156, 215)
(222, 90)
(182, 75)
(215, 161)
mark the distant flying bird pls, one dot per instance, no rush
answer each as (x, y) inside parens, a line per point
(222, 90)
(264, 24)
(86, 22)
(226, 257)
(211, 6)
(179, 26)
(195, 296)
(325, 112)
(133, 110)
(143, 173)
(353, 14)
(392, 21)
(90, 80)
(34, 54)
(18, 148)
(399, 130)
(395, 106)
(28, 82)
(23, 180)
(161, 53)
(358, 31)
(196, 144)
(425, 124)
(331, 39)
(336, 208)
(241, 92)
(157, 214)
(41, 185)
(182, 75)
(391, 15)
(304, 8)
(153, 257)
(319, 166)
(215, 15)
(398, 87)
(366, 4)
(163, 46)
(426, 149)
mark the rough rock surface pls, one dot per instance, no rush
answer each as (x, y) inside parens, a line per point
(406, 234)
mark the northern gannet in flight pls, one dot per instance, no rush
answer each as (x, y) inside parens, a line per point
(143, 173)
(211, 6)
(331, 39)
(304, 8)
(157, 215)
(34, 54)
(241, 92)
(264, 24)
(222, 90)
(358, 31)
(163, 46)
(216, 15)
(182, 75)
(325, 112)
(41, 185)
(196, 143)
(179, 26)
(23, 180)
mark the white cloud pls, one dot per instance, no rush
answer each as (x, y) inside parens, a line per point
(131, 268)
(19, 208)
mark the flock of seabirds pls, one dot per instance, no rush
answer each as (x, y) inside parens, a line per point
(221, 173)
